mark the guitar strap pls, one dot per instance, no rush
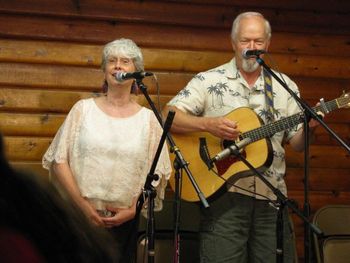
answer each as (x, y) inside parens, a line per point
(269, 97)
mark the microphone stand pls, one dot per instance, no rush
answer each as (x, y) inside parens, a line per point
(180, 163)
(150, 193)
(282, 201)
(309, 113)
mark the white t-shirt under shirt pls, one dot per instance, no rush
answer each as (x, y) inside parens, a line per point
(109, 157)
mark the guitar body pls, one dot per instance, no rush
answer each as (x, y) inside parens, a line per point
(258, 153)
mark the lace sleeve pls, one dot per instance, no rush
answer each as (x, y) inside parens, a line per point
(61, 146)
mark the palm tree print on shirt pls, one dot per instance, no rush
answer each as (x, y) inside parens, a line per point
(217, 93)
(184, 93)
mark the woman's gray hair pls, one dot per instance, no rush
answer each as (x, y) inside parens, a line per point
(123, 48)
(236, 22)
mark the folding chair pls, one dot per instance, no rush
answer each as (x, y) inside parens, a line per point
(334, 245)
(336, 249)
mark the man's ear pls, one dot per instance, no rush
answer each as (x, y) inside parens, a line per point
(267, 46)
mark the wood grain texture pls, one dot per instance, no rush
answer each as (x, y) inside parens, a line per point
(50, 55)
(173, 13)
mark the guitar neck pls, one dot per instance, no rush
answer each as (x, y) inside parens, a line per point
(286, 123)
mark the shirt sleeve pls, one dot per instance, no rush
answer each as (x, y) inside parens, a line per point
(61, 147)
(192, 98)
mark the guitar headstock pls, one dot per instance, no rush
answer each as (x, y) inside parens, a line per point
(344, 100)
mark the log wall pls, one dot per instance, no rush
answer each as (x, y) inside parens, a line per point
(50, 53)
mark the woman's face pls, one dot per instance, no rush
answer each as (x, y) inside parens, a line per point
(115, 65)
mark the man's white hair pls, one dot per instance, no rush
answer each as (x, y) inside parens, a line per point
(236, 22)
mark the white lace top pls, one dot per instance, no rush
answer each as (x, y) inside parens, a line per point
(109, 157)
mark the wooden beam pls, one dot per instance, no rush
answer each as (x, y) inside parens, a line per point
(321, 156)
(173, 13)
(320, 179)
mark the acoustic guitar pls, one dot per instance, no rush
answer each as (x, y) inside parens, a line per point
(258, 151)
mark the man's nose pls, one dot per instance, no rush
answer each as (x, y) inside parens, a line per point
(252, 44)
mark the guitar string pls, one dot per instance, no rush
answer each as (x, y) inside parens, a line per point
(255, 135)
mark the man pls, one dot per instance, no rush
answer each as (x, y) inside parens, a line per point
(240, 225)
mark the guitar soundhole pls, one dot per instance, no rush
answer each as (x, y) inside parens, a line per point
(223, 165)
(226, 143)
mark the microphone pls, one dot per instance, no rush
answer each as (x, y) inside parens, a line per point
(231, 149)
(248, 53)
(120, 76)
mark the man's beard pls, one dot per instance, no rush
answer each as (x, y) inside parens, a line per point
(249, 65)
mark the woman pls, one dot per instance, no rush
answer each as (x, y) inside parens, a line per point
(102, 153)
(37, 225)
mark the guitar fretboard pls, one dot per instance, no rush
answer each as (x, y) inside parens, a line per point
(286, 123)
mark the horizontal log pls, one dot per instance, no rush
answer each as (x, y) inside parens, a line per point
(161, 36)
(176, 60)
(337, 5)
(34, 100)
(32, 75)
(52, 101)
(317, 200)
(86, 31)
(321, 156)
(317, 88)
(309, 44)
(41, 125)
(319, 179)
(47, 52)
(30, 167)
(312, 66)
(90, 55)
(174, 13)
(322, 136)
(25, 148)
